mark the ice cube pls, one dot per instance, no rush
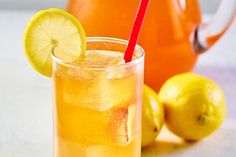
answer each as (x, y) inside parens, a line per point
(100, 58)
(82, 74)
(117, 73)
(99, 151)
(117, 60)
(99, 90)
(121, 127)
(112, 151)
(99, 94)
(67, 148)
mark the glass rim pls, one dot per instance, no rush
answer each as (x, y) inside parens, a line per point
(103, 39)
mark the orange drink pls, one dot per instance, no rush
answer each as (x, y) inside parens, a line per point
(165, 34)
(97, 102)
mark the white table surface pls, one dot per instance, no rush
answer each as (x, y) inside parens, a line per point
(26, 110)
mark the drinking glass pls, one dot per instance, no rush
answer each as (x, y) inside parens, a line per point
(97, 109)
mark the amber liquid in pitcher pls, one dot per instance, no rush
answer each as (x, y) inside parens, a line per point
(165, 36)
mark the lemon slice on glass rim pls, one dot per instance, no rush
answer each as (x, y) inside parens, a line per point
(53, 30)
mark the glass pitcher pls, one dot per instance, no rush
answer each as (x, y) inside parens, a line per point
(172, 35)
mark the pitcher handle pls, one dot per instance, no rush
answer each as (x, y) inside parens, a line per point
(207, 34)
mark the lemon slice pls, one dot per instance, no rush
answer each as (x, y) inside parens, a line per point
(53, 30)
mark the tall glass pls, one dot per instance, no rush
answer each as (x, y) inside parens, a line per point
(97, 110)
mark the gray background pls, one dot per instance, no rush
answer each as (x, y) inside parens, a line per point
(208, 6)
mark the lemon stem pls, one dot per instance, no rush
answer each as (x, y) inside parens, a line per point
(203, 119)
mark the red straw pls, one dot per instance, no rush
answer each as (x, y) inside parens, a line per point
(136, 30)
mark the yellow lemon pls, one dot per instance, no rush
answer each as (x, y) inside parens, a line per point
(53, 31)
(195, 106)
(152, 116)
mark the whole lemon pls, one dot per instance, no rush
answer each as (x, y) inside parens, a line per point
(152, 116)
(194, 106)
